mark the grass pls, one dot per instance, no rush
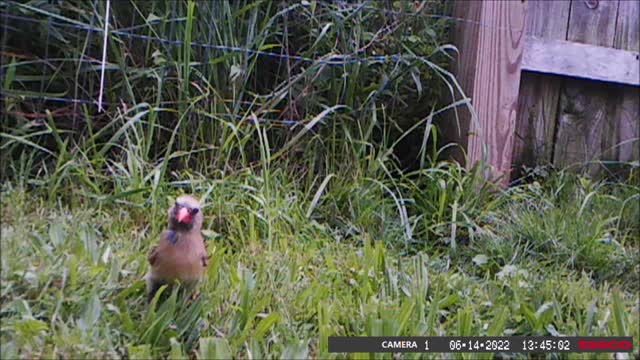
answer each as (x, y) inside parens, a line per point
(280, 282)
(322, 215)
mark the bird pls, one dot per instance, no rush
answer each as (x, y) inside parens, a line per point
(181, 254)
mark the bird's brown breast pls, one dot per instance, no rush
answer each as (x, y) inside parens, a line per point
(182, 261)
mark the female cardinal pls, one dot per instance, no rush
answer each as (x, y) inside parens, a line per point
(181, 254)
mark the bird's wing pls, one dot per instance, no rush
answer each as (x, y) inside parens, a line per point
(153, 255)
(166, 238)
(204, 258)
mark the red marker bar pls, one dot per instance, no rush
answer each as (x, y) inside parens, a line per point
(476, 344)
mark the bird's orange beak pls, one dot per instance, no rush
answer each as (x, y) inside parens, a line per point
(184, 216)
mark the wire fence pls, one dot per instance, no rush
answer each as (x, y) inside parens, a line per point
(52, 20)
(332, 60)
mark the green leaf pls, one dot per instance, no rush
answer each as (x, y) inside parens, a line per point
(525, 310)
(57, 232)
(405, 314)
(465, 322)
(214, 348)
(266, 324)
(498, 324)
(89, 240)
(310, 125)
(141, 352)
(24, 141)
(619, 315)
(544, 314)
(316, 197)
(30, 327)
(176, 350)
(91, 314)
(296, 351)
(9, 76)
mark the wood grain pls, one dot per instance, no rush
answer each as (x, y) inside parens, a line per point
(628, 124)
(465, 37)
(585, 61)
(548, 19)
(494, 84)
(584, 119)
(567, 121)
(593, 22)
(583, 125)
(539, 94)
(627, 34)
(627, 104)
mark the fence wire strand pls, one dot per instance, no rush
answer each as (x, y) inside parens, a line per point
(128, 32)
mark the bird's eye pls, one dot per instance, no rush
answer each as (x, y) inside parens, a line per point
(195, 211)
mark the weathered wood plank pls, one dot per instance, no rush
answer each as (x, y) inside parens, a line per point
(585, 115)
(548, 19)
(539, 94)
(583, 124)
(535, 121)
(494, 84)
(627, 116)
(593, 22)
(582, 60)
(627, 34)
(465, 37)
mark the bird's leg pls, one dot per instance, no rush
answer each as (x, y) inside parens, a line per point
(191, 290)
(153, 285)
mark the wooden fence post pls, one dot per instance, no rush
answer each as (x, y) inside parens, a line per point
(490, 38)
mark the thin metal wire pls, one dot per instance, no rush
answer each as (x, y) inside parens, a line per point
(94, 102)
(451, 18)
(346, 6)
(51, 98)
(331, 60)
(334, 60)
